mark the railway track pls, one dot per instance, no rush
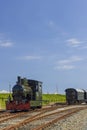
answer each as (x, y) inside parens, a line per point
(38, 120)
(48, 120)
(13, 118)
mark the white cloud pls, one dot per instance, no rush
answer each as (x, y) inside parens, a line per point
(70, 60)
(67, 64)
(4, 91)
(65, 67)
(84, 46)
(5, 44)
(73, 42)
(30, 58)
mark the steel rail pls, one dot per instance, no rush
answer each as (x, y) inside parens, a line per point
(45, 125)
(38, 117)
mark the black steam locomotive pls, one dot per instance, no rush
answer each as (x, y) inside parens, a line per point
(26, 94)
(76, 96)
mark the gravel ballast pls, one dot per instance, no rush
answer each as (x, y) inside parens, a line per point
(77, 121)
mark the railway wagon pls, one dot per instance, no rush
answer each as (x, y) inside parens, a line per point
(74, 96)
(26, 94)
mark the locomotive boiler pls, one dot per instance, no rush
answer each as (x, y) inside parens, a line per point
(26, 94)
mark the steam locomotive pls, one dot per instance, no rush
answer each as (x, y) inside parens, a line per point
(76, 96)
(26, 94)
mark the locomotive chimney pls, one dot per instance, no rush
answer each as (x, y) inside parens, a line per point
(19, 80)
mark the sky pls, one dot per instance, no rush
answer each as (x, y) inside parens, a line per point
(44, 40)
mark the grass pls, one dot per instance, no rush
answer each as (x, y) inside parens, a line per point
(47, 98)
(53, 98)
(3, 98)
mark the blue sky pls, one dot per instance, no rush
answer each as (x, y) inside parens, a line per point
(44, 40)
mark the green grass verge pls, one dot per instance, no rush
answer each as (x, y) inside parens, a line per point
(47, 98)
(3, 98)
(53, 98)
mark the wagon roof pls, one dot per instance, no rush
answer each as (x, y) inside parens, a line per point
(79, 90)
(74, 89)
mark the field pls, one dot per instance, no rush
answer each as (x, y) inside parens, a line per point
(47, 99)
(3, 98)
(53, 98)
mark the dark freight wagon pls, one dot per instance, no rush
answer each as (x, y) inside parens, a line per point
(26, 94)
(74, 96)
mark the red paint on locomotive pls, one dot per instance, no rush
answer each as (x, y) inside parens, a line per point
(14, 105)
